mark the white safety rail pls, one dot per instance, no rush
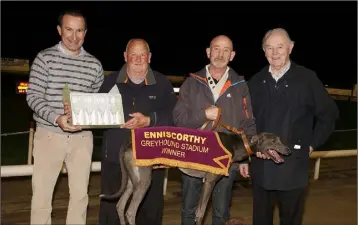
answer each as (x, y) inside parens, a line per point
(26, 170)
(329, 154)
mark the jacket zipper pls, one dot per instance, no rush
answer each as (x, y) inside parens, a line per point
(106, 153)
(133, 104)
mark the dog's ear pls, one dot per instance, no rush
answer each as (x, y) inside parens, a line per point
(255, 139)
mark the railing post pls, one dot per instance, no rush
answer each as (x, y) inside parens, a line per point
(316, 168)
(31, 143)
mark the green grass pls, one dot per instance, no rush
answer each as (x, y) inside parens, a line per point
(16, 117)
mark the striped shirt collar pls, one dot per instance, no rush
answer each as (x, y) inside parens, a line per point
(282, 72)
(61, 48)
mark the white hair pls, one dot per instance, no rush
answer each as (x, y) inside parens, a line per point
(278, 30)
(137, 39)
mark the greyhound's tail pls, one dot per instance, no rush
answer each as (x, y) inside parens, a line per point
(124, 175)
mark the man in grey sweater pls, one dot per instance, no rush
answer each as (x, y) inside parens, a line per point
(56, 141)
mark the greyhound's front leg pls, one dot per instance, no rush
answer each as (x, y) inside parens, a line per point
(121, 205)
(209, 183)
(140, 185)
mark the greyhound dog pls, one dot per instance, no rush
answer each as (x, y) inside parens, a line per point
(137, 179)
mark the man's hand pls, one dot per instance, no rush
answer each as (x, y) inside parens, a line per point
(138, 121)
(261, 155)
(63, 122)
(67, 108)
(160, 167)
(211, 112)
(244, 170)
(311, 150)
(67, 111)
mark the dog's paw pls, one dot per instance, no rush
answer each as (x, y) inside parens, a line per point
(235, 221)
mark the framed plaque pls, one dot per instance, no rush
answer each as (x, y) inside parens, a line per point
(95, 110)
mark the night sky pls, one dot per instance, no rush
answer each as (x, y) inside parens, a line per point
(325, 33)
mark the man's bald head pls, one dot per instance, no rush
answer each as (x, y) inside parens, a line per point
(137, 41)
(221, 38)
(220, 52)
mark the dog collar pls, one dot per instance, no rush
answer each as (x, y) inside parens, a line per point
(243, 136)
(230, 128)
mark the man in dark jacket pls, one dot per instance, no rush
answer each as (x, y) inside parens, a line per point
(148, 100)
(286, 99)
(215, 86)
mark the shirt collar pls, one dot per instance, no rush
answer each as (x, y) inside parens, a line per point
(61, 48)
(123, 78)
(208, 72)
(283, 71)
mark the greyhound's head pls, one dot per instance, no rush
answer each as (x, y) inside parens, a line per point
(270, 145)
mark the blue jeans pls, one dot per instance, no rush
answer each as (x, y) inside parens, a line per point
(221, 198)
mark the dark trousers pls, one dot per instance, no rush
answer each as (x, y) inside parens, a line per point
(221, 198)
(150, 211)
(290, 205)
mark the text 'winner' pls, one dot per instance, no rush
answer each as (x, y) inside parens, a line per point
(180, 147)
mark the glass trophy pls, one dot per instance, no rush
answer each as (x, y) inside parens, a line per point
(96, 110)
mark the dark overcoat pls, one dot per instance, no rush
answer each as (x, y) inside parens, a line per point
(300, 111)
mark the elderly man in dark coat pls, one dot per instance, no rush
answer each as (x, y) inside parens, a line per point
(291, 102)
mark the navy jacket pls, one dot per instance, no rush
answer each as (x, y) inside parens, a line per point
(299, 110)
(154, 97)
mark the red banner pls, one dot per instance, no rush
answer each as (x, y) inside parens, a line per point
(180, 147)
